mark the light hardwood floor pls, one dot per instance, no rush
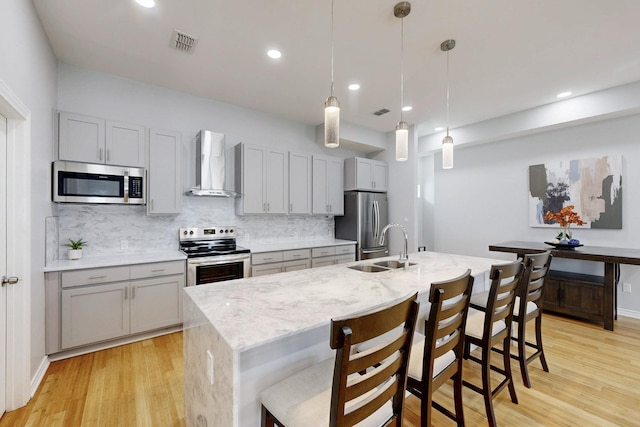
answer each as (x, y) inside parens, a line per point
(594, 381)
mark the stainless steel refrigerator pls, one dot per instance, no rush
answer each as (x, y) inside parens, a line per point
(365, 214)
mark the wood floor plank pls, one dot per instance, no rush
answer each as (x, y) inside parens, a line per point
(594, 380)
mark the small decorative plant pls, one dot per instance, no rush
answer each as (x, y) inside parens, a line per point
(75, 248)
(564, 219)
(76, 244)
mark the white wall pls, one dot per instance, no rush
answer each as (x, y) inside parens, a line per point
(28, 68)
(484, 199)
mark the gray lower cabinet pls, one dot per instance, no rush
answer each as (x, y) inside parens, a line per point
(94, 305)
(279, 261)
(263, 263)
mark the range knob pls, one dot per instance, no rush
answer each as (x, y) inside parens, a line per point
(191, 232)
(221, 231)
(226, 231)
(184, 232)
(231, 230)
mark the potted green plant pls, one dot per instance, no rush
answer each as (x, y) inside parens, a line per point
(75, 248)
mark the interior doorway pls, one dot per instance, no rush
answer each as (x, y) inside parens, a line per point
(15, 243)
(3, 264)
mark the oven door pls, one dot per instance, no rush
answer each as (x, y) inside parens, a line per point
(217, 268)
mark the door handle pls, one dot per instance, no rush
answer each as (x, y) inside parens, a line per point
(12, 280)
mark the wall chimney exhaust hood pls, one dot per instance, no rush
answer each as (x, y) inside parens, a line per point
(210, 166)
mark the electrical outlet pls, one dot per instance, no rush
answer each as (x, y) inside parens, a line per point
(626, 287)
(210, 367)
(124, 244)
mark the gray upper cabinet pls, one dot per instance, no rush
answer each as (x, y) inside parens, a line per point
(164, 175)
(95, 140)
(328, 198)
(262, 178)
(365, 174)
(299, 183)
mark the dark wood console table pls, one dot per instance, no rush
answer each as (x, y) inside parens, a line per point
(594, 297)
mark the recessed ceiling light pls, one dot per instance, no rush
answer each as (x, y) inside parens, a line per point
(407, 108)
(274, 53)
(354, 86)
(438, 129)
(146, 3)
(563, 94)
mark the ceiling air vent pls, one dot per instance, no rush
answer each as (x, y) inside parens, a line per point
(381, 112)
(183, 42)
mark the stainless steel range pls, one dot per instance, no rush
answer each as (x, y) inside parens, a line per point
(213, 256)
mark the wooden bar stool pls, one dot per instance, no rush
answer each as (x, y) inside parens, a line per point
(492, 327)
(334, 392)
(527, 307)
(437, 356)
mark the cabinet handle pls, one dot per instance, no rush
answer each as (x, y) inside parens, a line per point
(107, 154)
(100, 154)
(159, 270)
(151, 205)
(264, 207)
(126, 291)
(291, 207)
(96, 277)
(268, 207)
(133, 293)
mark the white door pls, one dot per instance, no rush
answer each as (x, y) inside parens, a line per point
(3, 263)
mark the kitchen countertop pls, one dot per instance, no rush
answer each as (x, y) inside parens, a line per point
(115, 260)
(266, 308)
(257, 247)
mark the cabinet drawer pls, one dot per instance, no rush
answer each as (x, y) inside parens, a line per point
(324, 251)
(93, 276)
(296, 254)
(301, 264)
(141, 271)
(345, 249)
(264, 270)
(342, 259)
(266, 257)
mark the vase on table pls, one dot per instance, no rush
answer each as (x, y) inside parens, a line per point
(565, 233)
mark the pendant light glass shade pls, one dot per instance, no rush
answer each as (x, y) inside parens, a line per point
(402, 141)
(332, 122)
(447, 152)
(332, 108)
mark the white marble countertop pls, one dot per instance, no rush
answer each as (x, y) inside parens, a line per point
(284, 245)
(115, 260)
(253, 311)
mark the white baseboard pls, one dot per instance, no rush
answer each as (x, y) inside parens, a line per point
(629, 313)
(39, 375)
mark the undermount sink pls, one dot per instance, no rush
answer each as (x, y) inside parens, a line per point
(368, 268)
(392, 264)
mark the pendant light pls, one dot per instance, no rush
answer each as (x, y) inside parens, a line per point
(401, 10)
(447, 142)
(332, 108)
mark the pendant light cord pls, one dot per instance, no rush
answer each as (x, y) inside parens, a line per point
(448, 92)
(331, 47)
(401, 69)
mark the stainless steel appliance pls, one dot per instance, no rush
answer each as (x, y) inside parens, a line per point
(73, 182)
(364, 216)
(210, 166)
(213, 256)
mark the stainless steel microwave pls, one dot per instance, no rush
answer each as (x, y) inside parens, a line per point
(74, 182)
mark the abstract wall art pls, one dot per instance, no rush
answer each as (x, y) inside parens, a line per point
(592, 186)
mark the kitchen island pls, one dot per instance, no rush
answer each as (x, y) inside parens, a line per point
(242, 336)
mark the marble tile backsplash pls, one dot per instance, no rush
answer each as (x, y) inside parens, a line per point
(110, 228)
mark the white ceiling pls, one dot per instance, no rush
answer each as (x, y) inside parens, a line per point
(511, 55)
